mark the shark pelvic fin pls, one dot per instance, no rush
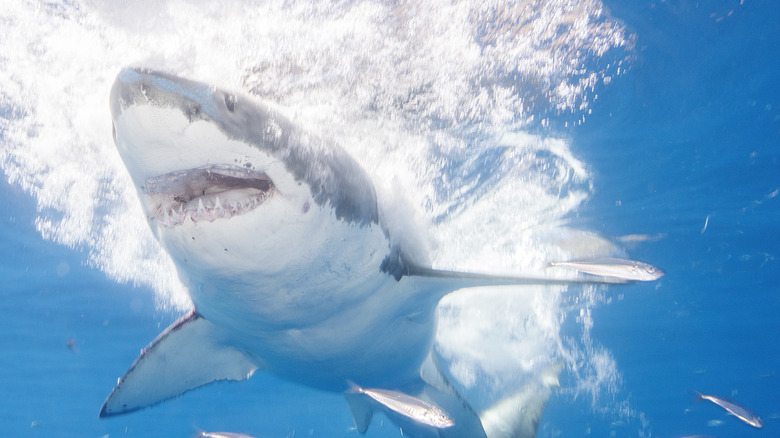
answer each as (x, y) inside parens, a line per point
(184, 356)
(517, 416)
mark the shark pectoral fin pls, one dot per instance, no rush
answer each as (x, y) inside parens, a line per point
(361, 409)
(517, 416)
(184, 356)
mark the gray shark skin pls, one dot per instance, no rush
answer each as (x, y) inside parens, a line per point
(280, 241)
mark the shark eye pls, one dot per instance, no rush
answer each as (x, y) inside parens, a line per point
(230, 102)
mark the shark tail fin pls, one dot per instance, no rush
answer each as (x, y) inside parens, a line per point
(184, 356)
(517, 416)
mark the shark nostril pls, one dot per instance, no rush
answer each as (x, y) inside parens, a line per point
(194, 112)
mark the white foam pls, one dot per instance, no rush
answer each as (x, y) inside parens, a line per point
(432, 98)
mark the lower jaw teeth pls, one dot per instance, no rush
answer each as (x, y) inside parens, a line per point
(211, 210)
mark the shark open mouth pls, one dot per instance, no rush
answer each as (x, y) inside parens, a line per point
(206, 194)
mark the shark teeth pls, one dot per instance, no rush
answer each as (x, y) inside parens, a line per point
(218, 206)
(206, 194)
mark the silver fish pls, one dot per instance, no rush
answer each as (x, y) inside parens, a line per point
(638, 238)
(734, 409)
(203, 434)
(408, 406)
(615, 268)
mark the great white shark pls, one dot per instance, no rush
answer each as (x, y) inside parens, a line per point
(289, 263)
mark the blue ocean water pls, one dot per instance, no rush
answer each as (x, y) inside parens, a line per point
(684, 145)
(689, 146)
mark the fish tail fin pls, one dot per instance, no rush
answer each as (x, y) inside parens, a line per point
(697, 396)
(359, 406)
(353, 388)
(198, 432)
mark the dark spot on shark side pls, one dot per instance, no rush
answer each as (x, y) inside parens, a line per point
(394, 264)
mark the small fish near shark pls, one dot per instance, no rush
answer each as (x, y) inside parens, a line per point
(413, 408)
(733, 409)
(290, 265)
(615, 268)
(204, 434)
